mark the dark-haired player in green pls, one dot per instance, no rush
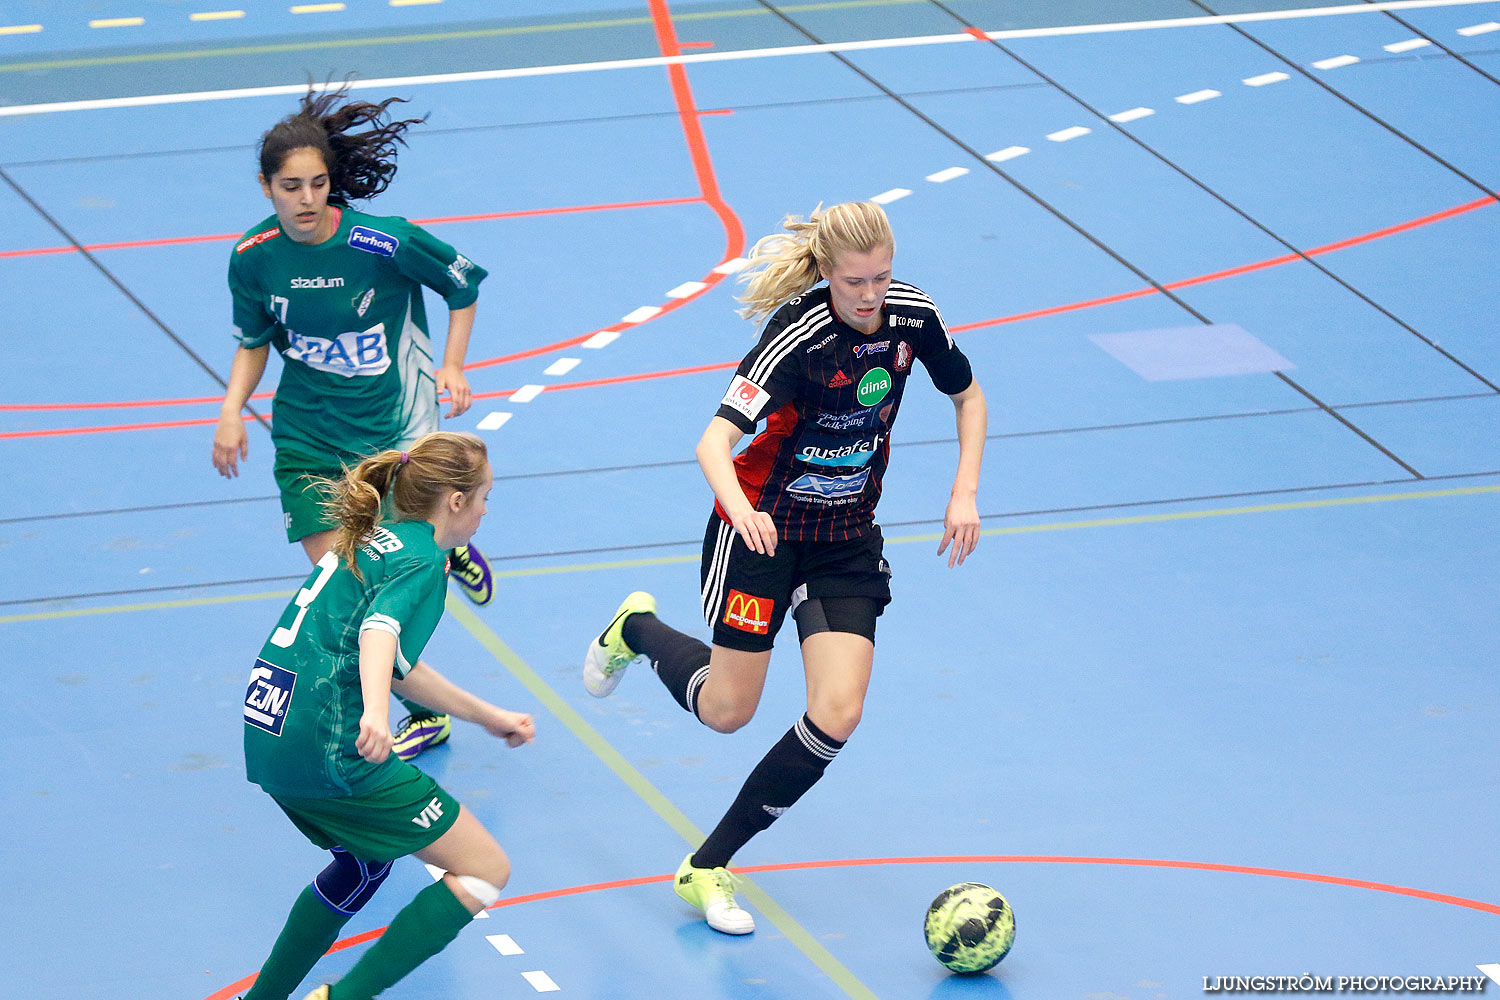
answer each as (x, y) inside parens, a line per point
(317, 725)
(338, 293)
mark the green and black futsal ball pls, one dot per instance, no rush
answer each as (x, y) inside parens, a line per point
(970, 927)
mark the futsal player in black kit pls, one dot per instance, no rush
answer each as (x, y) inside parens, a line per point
(793, 527)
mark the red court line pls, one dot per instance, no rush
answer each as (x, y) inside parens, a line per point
(482, 217)
(736, 232)
(708, 184)
(109, 429)
(233, 989)
(1401, 227)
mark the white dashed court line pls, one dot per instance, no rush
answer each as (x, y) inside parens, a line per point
(561, 366)
(391, 83)
(317, 8)
(504, 944)
(412, 3)
(640, 315)
(944, 176)
(1008, 153)
(493, 422)
(1263, 79)
(685, 289)
(1479, 29)
(602, 339)
(1198, 97)
(1336, 62)
(1063, 135)
(1407, 46)
(541, 982)
(216, 15)
(1134, 114)
(526, 393)
(894, 194)
(117, 22)
(731, 266)
(20, 29)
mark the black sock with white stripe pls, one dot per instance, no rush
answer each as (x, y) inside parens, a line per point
(679, 660)
(793, 766)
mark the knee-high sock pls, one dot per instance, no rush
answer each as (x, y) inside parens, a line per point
(793, 766)
(311, 928)
(679, 660)
(422, 929)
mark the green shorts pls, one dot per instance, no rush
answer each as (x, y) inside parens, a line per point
(301, 500)
(397, 819)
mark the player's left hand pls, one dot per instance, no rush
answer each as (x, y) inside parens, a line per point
(452, 378)
(375, 740)
(961, 527)
(515, 728)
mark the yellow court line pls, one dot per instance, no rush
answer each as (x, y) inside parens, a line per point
(651, 795)
(1019, 529)
(431, 37)
(19, 29)
(317, 8)
(117, 22)
(216, 15)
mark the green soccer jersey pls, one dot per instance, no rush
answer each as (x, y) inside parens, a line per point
(303, 704)
(348, 319)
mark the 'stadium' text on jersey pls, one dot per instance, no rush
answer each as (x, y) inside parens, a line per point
(348, 319)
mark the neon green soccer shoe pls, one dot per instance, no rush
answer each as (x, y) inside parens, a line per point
(608, 656)
(712, 891)
(468, 568)
(417, 732)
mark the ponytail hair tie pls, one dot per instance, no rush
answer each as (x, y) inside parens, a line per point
(404, 457)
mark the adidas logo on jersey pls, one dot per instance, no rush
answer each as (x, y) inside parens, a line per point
(318, 282)
(839, 380)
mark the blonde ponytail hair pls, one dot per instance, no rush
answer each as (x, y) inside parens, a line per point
(413, 481)
(784, 265)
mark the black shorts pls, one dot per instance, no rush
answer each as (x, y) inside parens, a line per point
(746, 596)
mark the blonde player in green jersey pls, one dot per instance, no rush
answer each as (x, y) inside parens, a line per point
(317, 728)
(338, 293)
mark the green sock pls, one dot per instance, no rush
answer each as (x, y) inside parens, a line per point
(422, 929)
(413, 709)
(310, 931)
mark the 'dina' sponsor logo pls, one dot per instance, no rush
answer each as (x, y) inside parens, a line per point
(873, 387)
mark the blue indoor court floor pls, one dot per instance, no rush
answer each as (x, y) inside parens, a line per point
(1214, 697)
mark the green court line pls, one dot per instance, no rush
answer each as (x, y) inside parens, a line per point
(651, 795)
(188, 602)
(1019, 529)
(430, 37)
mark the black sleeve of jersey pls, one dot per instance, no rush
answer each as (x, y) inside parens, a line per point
(945, 363)
(766, 379)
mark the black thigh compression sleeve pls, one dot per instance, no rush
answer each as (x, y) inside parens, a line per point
(837, 614)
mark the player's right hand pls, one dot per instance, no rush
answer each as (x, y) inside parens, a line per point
(375, 740)
(231, 444)
(757, 529)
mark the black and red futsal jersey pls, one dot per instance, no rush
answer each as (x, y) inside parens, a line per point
(829, 395)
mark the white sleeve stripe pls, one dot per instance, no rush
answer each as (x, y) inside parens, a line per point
(382, 623)
(782, 344)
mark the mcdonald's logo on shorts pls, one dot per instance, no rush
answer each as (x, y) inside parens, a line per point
(748, 614)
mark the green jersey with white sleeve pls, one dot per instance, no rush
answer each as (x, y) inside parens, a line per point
(348, 319)
(304, 701)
